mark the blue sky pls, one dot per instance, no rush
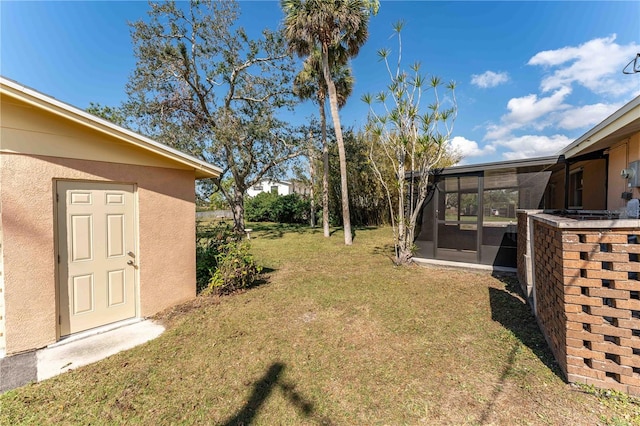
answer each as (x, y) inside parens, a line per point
(531, 76)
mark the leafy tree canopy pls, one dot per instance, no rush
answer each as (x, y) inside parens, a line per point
(204, 87)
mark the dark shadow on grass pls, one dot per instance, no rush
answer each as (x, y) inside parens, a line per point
(513, 313)
(388, 250)
(334, 231)
(263, 388)
(274, 231)
(263, 278)
(499, 387)
(509, 309)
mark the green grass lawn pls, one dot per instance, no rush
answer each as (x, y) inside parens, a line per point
(335, 335)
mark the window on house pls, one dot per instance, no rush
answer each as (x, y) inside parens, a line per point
(274, 189)
(575, 189)
(257, 188)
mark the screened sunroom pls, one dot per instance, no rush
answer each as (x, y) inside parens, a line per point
(470, 214)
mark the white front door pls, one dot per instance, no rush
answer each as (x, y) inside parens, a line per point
(97, 254)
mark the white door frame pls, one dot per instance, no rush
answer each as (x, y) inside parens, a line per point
(60, 259)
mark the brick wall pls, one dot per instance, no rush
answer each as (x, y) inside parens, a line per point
(587, 290)
(549, 296)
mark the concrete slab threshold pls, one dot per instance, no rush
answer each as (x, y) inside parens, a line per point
(75, 351)
(93, 345)
(465, 265)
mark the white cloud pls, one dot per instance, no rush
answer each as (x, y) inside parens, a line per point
(468, 148)
(496, 131)
(525, 111)
(585, 116)
(533, 125)
(596, 65)
(489, 79)
(529, 146)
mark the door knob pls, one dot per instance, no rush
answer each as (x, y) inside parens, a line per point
(130, 262)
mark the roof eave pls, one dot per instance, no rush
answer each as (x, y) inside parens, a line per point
(616, 121)
(11, 88)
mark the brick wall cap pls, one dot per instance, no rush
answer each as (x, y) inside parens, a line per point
(568, 223)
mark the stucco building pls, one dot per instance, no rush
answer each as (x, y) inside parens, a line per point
(97, 222)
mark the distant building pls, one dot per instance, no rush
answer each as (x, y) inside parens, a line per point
(273, 186)
(301, 187)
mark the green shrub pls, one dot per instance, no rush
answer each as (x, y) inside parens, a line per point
(260, 207)
(211, 239)
(291, 208)
(236, 269)
(269, 207)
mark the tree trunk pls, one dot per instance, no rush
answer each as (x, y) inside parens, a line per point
(403, 247)
(333, 102)
(404, 257)
(238, 212)
(325, 171)
(312, 175)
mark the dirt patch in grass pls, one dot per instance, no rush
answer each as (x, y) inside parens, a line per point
(336, 335)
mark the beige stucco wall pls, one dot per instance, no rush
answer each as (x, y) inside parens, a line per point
(38, 146)
(620, 155)
(166, 227)
(2, 328)
(593, 190)
(634, 147)
(617, 185)
(555, 199)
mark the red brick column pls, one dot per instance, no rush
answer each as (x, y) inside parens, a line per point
(588, 303)
(549, 291)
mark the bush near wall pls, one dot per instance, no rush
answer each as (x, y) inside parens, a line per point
(270, 207)
(211, 238)
(223, 260)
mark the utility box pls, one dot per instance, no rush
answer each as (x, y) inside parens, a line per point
(632, 174)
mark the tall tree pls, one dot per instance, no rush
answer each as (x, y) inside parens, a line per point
(413, 139)
(332, 26)
(203, 86)
(310, 84)
(116, 115)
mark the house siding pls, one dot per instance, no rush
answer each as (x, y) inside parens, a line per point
(617, 161)
(620, 156)
(594, 193)
(166, 229)
(3, 345)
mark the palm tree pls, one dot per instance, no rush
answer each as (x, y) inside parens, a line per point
(310, 84)
(332, 26)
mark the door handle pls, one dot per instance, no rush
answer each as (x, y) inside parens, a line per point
(130, 262)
